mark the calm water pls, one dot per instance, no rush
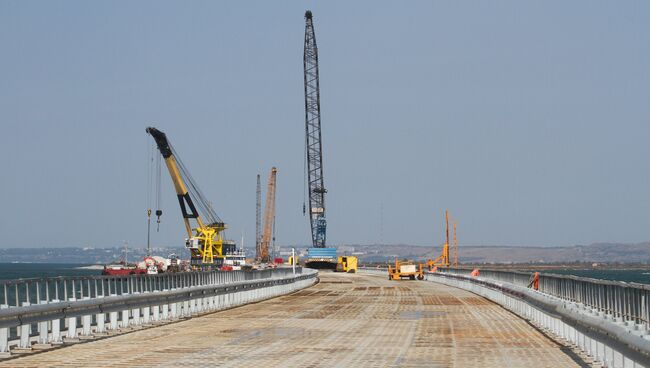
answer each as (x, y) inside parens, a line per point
(638, 276)
(28, 270)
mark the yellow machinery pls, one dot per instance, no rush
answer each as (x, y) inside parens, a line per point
(443, 260)
(269, 218)
(405, 269)
(204, 240)
(347, 264)
(291, 260)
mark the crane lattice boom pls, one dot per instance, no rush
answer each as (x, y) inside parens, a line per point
(313, 137)
(269, 217)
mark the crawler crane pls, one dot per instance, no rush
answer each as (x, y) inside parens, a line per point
(269, 216)
(204, 241)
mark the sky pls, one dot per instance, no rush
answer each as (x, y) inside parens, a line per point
(529, 121)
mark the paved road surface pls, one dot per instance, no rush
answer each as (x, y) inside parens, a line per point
(344, 321)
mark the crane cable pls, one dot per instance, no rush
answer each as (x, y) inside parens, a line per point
(158, 191)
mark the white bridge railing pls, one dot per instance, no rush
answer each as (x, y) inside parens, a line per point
(606, 320)
(39, 313)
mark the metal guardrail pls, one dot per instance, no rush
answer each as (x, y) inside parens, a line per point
(628, 301)
(607, 339)
(608, 320)
(34, 310)
(20, 292)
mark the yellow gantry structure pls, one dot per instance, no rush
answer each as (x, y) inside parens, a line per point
(204, 240)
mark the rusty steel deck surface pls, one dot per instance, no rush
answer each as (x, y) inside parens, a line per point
(344, 321)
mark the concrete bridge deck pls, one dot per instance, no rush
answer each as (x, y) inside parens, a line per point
(344, 321)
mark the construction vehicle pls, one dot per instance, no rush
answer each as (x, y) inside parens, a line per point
(318, 256)
(443, 259)
(292, 260)
(204, 240)
(347, 264)
(405, 269)
(269, 217)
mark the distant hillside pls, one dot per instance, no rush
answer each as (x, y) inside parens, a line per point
(86, 255)
(599, 252)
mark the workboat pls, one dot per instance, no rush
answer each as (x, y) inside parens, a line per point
(233, 261)
(122, 269)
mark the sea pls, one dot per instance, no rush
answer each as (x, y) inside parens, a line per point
(639, 276)
(10, 271)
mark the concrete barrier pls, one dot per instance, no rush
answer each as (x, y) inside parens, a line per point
(132, 302)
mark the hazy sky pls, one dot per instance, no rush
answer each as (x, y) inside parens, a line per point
(528, 120)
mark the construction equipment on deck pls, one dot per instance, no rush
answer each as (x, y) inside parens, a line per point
(205, 240)
(313, 137)
(455, 247)
(347, 264)
(405, 269)
(269, 217)
(443, 259)
(258, 218)
(314, 152)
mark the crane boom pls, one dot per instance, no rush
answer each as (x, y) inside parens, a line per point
(204, 241)
(269, 217)
(258, 220)
(313, 143)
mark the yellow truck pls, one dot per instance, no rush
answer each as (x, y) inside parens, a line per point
(405, 269)
(347, 264)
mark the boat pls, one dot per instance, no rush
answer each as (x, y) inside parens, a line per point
(234, 260)
(122, 269)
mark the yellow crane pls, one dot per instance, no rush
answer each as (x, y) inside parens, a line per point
(269, 218)
(443, 259)
(203, 240)
(455, 246)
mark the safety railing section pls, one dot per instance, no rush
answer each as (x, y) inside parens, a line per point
(610, 338)
(622, 300)
(49, 311)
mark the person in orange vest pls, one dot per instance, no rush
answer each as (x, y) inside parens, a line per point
(535, 281)
(475, 272)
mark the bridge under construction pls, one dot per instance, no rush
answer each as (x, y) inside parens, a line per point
(344, 320)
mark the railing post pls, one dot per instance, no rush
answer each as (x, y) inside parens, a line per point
(146, 315)
(86, 323)
(4, 334)
(156, 313)
(24, 331)
(125, 318)
(43, 330)
(71, 335)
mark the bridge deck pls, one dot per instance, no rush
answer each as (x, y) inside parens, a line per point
(346, 320)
